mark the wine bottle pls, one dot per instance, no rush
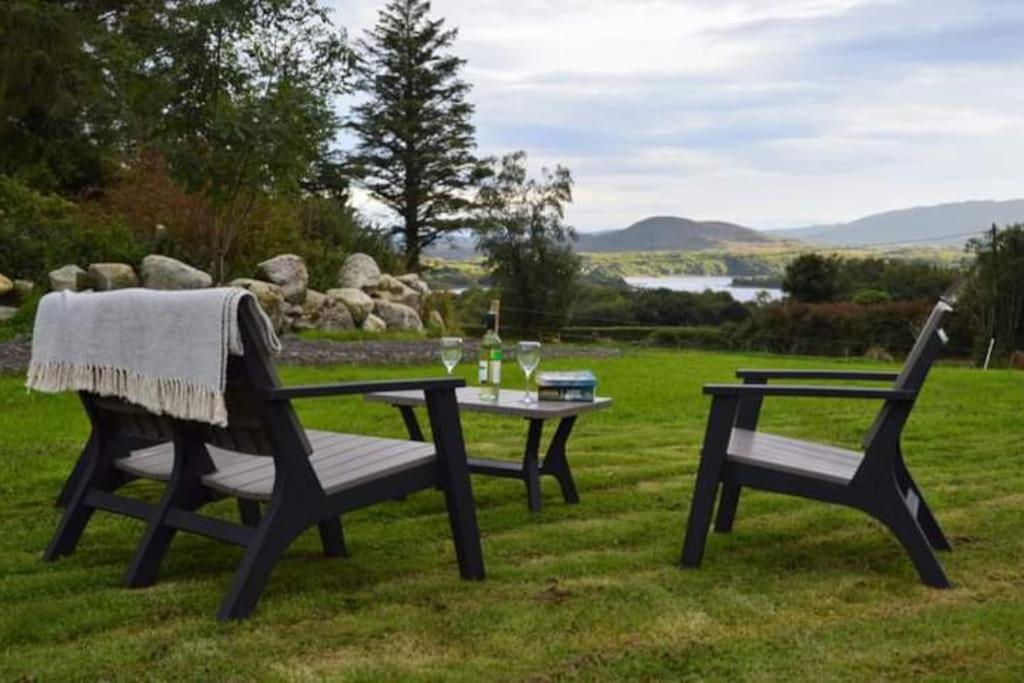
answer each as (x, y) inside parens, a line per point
(489, 369)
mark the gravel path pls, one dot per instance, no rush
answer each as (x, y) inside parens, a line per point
(14, 355)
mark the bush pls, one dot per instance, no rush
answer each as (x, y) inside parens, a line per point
(41, 232)
(690, 337)
(844, 329)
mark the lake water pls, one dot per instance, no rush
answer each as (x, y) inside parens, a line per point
(699, 283)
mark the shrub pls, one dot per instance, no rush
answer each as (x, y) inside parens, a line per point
(844, 329)
(867, 297)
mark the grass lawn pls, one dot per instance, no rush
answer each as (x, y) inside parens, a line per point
(800, 591)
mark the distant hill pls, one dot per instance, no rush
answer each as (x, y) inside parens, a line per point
(669, 233)
(942, 225)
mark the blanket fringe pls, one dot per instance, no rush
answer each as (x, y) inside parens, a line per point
(162, 395)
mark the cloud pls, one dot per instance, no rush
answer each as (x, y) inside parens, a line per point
(765, 112)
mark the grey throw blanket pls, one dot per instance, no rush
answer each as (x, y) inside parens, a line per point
(165, 351)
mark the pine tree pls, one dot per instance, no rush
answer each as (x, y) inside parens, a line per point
(415, 150)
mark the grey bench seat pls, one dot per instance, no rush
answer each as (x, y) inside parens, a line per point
(792, 456)
(340, 461)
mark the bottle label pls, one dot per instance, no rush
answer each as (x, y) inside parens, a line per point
(495, 377)
(482, 372)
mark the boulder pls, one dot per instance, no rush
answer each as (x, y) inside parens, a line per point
(334, 315)
(164, 272)
(359, 302)
(414, 281)
(105, 277)
(397, 316)
(358, 271)
(390, 288)
(288, 272)
(374, 324)
(71, 278)
(311, 307)
(269, 296)
(7, 312)
(6, 287)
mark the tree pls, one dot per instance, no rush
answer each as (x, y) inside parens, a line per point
(248, 112)
(415, 151)
(59, 101)
(994, 294)
(522, 232)
(812, 278)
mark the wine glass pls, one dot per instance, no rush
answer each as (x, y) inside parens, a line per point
(528, 355)
(451, 352)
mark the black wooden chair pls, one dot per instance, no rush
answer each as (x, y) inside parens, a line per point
(877, 481)
(305, 478)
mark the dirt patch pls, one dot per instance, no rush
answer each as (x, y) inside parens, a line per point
(14, 355)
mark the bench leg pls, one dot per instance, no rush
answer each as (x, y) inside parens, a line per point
(925, 518)
(276, 532)
(184, 492)
(709, 473)
(249, 512)
(912, 537)
(557, 464)
(727, 504)
(93, 471)
(332, 537)
(443, 410)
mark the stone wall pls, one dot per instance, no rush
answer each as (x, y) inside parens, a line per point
(365, 298)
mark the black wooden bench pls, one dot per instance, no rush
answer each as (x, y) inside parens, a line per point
(305, 478)
(876, 480)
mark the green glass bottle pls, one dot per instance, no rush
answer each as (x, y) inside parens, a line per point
(489, 369)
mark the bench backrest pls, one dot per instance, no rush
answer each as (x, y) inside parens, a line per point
(255, 425)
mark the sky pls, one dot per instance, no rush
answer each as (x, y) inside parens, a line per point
(767, 113)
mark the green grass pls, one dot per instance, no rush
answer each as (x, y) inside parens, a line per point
(800, 591)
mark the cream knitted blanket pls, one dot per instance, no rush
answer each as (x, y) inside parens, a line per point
(163, 350)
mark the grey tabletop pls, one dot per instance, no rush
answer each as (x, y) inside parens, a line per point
(509, 403)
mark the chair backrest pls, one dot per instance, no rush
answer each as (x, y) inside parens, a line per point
(919, 362)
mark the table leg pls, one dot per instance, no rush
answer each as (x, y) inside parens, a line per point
(557, 465)
(412, 425)
(531, 466)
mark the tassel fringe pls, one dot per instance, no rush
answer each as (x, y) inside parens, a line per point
(161, 395)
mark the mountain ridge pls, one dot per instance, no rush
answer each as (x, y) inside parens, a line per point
(669, 233)
(948, 224)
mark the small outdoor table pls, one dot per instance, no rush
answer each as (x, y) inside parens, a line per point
(510, 403)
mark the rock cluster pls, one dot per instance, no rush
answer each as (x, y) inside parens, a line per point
(365, 298)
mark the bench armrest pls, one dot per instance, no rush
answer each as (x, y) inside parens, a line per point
(805, 391)
(350, 388)
(852, 375)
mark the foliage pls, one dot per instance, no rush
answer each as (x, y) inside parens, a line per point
(994, 294)
(330, 230)
(838, 329)
(527, 245)
(248, 113)
(897, 279)
(59, 104)
(39, 232)
(590, 592)
(813, 278)
(415, 137)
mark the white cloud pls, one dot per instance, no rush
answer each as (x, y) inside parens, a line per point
(768, 112)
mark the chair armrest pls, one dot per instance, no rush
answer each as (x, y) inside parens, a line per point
(349, 388)
(853, 375)
(806, 391)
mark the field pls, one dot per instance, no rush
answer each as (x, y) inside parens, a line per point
(800, 591)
